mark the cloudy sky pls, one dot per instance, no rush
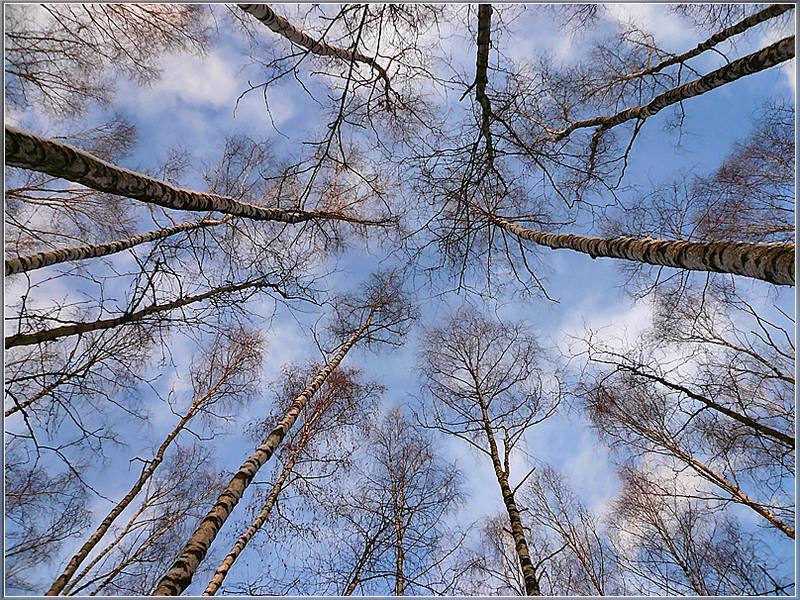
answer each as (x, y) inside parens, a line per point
(192, 105)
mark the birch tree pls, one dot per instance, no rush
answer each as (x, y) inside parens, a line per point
(642, 419)
(537, 119)
(312, 454)
(57, 57)
(227, 373)
(45, 509)
(130, 562)
(485, 384)
(589, 565)
(673, 543)
(381, 314)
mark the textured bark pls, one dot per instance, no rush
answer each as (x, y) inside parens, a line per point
(23, 264)
(47, 335)
(517, 531)
(32, 152)
(283, 27)
(482, 77)
(146, 474)
(763, 15)
(179, 575)
(258, 522)
(398, 500)
(770, 262)
(752, 63)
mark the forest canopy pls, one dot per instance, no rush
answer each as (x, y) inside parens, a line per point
(399, 299)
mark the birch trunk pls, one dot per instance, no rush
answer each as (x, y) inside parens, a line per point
(765, 58)
(35, 153)
(258, 522)
(47, 335)
(147, 473)
(755, 19)
(771, 262)
(736, 493)
(284, 28)
(179, 575)
(23, 264)
(482, 77)
(517, 530)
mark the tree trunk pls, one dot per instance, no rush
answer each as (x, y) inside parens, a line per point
(47, 335)
(752, 63)
(770, 262)
(147, 472)
(482, 77)
(763, 15)
(32, 152)
(22, 264)
(517, 530)
(244, 539)
(179, 575)
(786, 440)
(283, 27)
(735, 491)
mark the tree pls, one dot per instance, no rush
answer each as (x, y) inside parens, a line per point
(592, 567)
(315, 451)
(43, 510)
(232, 359)
(675, 543)
(485, 381)
(643, 418)
(131, 562)
(57, 56)
(382, 309)
(451, 147)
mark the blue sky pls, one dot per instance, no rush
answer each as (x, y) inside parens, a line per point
(193, 106)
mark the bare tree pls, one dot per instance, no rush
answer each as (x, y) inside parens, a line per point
(313, 452)
(675, 544)
(228, 373)
(486, 387)
(43, 509)
(57, 57)
(382, 311)
(644, 421)
(591, 563)
(132, 561)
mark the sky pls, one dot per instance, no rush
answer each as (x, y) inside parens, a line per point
(192, 105)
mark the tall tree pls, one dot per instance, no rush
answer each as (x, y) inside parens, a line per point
(57, 57)
(232, 359)
(318, 448)
(485, 382)
(382, 311)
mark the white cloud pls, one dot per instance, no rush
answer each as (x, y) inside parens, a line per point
(198, 81)
(667, 28)
(623, 321)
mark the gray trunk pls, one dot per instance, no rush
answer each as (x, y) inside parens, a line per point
(770, 262)
(179, 575)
